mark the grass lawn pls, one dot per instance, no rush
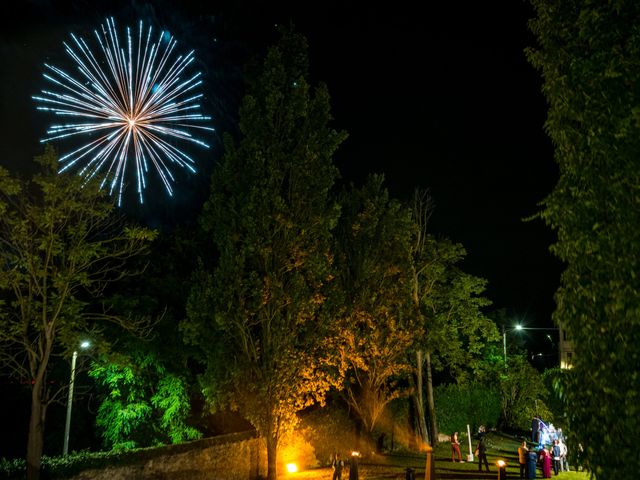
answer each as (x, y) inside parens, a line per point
(387, 467)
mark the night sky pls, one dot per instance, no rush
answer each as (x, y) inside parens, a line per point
(439, 97)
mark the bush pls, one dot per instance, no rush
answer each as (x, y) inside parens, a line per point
(12, 469)
(58, 467)
(459, 405)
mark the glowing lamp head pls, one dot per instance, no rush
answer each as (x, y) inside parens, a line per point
(85, 344)
(501, 463)
(355, 454)
(518, 327)
(292, 468)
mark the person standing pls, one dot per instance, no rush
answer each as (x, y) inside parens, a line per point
(532, 460)
(535, 426)
(564, 464)
(555, 451)
(338, 465)
(481, 450)
(545, 461)
(455, 448)
(522, 459)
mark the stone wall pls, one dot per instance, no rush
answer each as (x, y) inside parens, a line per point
(240, 456)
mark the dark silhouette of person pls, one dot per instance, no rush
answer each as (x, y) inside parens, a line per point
(482, 455)
(337, 465)
(535, 426)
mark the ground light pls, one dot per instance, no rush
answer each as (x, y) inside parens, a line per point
(292, 468)
(502, 469)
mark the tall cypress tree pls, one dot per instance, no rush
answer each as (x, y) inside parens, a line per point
(588, 57)
(270, 216)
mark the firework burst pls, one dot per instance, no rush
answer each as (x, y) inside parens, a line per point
(132, 104)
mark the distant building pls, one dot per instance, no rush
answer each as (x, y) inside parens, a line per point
(566, 349)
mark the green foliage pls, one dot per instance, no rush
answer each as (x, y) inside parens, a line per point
(588, 55)
(70, 466)
(452, 303)
(523, 394)
(146, 391)
(554, 381)
(373, 242)
(11, 469)
(270, 218)
(459, 405)
(145, 405)
(61, 245)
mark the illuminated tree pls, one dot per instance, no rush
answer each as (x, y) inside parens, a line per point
(61, 245)
(145, 384)
(373, 254)
(588, 57)
(145, 403)
(259, 318)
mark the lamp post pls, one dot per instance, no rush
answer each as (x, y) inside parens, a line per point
(504, 344)
(519, 327)
(67, 426)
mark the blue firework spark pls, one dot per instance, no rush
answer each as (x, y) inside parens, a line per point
(130, 104)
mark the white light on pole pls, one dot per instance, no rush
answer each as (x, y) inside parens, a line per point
(67, 426)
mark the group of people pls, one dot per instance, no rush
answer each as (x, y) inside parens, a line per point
(551, 457)
(543, 434)
(338, 465)
(549, 451)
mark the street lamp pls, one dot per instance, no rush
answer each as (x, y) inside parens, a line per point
(65, 447)
(519, 327)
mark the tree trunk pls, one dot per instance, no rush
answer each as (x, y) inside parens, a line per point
(272, 452)
(419, 399)
(418, 425)
(431, 406)
(35, 441)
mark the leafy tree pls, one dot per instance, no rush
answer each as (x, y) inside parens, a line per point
(588, 55)
(259, 318)
(449, 305)
(523, 394)
(145, 403)
(373, 253)
(146, 384)
(554, 381)
(521, 389)
(61, 247)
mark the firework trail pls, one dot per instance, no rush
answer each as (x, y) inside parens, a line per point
(132, 104)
